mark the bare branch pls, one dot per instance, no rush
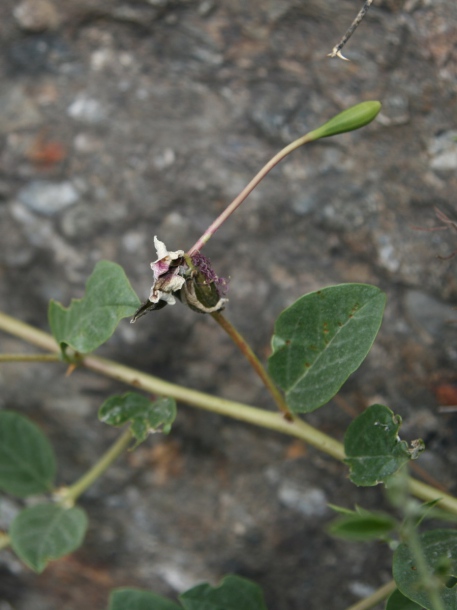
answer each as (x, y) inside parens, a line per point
(336, 51)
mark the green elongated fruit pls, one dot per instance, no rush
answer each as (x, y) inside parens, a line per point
(353, 118)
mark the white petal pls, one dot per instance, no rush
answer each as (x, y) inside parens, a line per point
(175, 255)
(162, 251)
(169, 298)
(175, 284)
(160, 247)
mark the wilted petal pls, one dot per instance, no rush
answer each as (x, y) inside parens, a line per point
(165, 286)
(160, 247)
(164, 258)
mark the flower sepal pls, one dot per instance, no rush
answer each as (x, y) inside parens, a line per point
(203, 291)
(201, 297)
(146, 307)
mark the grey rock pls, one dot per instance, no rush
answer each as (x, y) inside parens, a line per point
(48, 198)
(36, 15)
(17, 110)
(44, 52)
(433, 316)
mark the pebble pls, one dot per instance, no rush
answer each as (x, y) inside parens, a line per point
(48, 198)
(36, 15)
(86, 143)
(86, 109)
(387, 253)
(443, 151)
(164, 159)
(309, 502)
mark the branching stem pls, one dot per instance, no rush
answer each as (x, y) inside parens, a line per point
(265, 419)
(69, 495)
(30, 358)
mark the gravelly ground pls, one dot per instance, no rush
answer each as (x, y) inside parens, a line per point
(124, 120)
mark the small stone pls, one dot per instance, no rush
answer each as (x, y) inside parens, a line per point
(36, 15)
(165, 159)
(86, 143)
(388, 256)
(206, 7)
(443, 151)
(48, 198)
(87, 110)
(309, 502)
(101, 59)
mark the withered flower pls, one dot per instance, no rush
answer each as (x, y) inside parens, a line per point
(203, 290)
(190, 278)
(168, 272)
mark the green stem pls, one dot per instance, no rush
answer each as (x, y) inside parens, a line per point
(247, 351)
(375, 598)
(69, 495)
(236, 410)
(30, 358)
(5, 540)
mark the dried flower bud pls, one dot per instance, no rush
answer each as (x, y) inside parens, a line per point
(203, 291)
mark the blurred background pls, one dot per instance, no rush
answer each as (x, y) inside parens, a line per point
(125, 119)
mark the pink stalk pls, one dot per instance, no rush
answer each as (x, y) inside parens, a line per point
(309, 137)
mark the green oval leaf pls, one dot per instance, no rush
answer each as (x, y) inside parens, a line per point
(372, 446)
(397, 601)
(144, 415)
(45, 532)
(88, 322)
(234, 593)
(135, 599)
(440, 551)
(363, 526)
(27, 462)
(321, 339)
(352, 118)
